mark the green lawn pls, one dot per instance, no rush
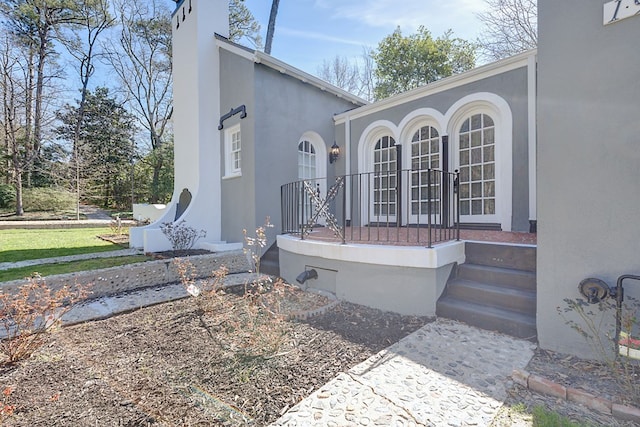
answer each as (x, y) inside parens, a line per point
(70, 267)
(20, 245)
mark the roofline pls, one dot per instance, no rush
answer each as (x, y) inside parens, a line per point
(259, 57)
(502, 66)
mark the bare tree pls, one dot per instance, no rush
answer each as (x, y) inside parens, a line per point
(271, 29)
(94, 19)
(14, 85)
(356, 76)
(342, 73)
(368, 81)
(510, 27)
(142, 61)
(37, 25)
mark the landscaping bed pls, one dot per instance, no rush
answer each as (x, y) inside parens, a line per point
(172, 364)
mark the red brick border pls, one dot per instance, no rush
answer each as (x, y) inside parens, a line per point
(605, 406)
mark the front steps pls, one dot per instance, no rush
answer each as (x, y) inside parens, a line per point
(494, 289)
(270, 261)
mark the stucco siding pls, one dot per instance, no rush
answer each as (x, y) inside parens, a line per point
(588, 158)
(286, 108)
(238, 193)
(512, 86)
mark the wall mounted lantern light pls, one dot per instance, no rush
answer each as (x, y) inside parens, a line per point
(334, 153)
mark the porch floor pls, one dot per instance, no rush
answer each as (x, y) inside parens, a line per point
(413, 236)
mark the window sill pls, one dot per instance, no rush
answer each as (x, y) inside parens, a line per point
(232, 176)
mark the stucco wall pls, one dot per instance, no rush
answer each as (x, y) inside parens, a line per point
(238, 193)
(404, 290)
(588, 158)
(286, 108)
(512, 86)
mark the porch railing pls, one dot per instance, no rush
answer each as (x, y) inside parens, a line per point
(410, 207)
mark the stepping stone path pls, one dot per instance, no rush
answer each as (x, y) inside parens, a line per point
(445, 374)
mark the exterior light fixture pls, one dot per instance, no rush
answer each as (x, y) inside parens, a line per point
(594, 290)
(334, 153)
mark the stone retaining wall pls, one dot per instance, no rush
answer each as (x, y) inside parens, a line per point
(115, 280)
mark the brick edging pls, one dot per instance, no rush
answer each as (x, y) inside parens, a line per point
(307, 314)
(548, 387)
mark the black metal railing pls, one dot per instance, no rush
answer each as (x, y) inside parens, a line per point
(406, 206)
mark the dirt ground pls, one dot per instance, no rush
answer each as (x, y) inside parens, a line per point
(188, 364)
(173, 365)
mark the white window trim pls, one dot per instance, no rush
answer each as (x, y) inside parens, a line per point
(366, 145)
(229, 170)
(321, 158)
(321, 151)
(500, 112)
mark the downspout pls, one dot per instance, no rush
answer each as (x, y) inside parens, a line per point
(532, 123)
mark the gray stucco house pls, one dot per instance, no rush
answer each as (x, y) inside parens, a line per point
(547, 139)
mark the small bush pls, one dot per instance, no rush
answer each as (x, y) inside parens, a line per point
(28, 317)
(595, 323)
(255, 245)
(181, 236)
(47, 200)
(7, 196)
(254, 318)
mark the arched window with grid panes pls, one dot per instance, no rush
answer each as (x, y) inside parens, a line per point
(307, 171)
(425, 188)
(477, 149)
(385, 180)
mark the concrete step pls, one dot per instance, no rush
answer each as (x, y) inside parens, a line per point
(512, 299)
(518, 257)
(487, 317)
(508, 277)
(270, 261)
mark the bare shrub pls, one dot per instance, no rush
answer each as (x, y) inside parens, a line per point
(181, 236)
(28, 317)
(255, 245)
(591, 325)
(247, 320)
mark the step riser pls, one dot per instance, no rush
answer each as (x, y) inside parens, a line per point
(516, 279)
(494, 289)
(505, 256)
(488, 321)
(270, 261)
(521, 302)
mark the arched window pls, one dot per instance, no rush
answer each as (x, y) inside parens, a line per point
(306, 160)
(477, 165)
(385, 166)
(425, 154)
(307, 170)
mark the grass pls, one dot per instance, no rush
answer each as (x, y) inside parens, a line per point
(20, 245)
(544, 418)
(70, 267)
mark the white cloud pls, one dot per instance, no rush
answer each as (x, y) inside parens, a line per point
(319, 36)
(435, 15)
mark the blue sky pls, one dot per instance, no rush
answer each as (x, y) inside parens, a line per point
(310, 31)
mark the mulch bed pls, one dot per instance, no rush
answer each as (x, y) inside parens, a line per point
(172, 365)
(593, 377)
(181, 363)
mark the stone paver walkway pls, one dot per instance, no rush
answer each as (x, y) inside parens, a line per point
(445, 374)
(104, 307)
